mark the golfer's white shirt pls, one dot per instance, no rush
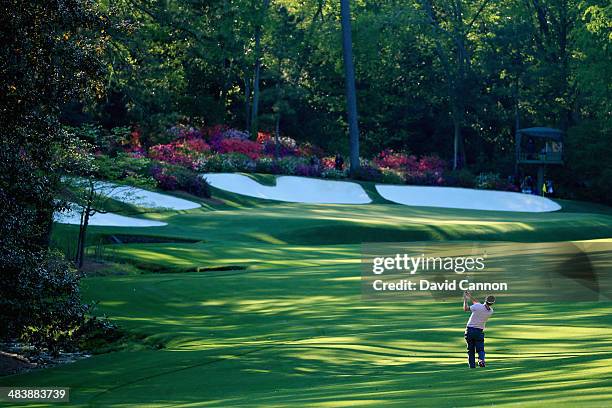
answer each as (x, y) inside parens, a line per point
(479, 316)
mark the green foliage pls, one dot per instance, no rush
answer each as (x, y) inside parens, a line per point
(135, 171)
(589, 169)
(289, 164)
(460, 178)
(421, 68)
(487, 181)
(389, 176)
(40, 301)
(594, 58)
(265, 165)
(227, 162)
(334, 174)
(50, 57)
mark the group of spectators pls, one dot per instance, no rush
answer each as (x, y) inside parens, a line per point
(528, 186)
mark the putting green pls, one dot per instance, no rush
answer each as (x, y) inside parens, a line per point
(292, 329)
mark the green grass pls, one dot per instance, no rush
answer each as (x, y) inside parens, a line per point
(293, 330)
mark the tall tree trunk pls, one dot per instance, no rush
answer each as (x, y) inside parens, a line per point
(77, 254)
(456, 138)
(351, 94)
(255, 108)
(517, 125)
(80, 254)
(228, 71)
(83, 238)
(277, 136)
(247, 102)
(256, 75)
(224, 91)
(278, 110)
(564, 29)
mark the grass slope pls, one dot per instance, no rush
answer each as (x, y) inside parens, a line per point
(293, 330)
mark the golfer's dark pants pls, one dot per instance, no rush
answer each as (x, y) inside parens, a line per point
(475, 343)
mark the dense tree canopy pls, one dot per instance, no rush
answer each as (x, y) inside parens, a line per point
(49, 60)
(445, 76)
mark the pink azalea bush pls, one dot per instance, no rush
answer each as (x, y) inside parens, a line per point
(389, 159)
(431, 163)
(218, 133)
(178, 153)
(194, 145)
(186, 150)
(428, 170)
(235, 145)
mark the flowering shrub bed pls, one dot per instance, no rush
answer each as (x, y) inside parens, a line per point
(286, 145)
(388, 159)
(426, 171)
(223, 149)
(235, 145)
(184, 152)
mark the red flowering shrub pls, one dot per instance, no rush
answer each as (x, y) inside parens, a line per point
(388, 159)
(184, 152)
(196, 145)
(432, 164)
(328, 163)
(427, 170)
(246, 147)
(224, 139)
(263, 137)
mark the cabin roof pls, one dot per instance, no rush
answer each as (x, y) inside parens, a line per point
(545, 132)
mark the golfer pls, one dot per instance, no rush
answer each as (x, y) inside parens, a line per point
(474, 332)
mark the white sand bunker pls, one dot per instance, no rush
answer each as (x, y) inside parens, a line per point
(466, 198)
(143, 198)
(292, 189)
(73, 216)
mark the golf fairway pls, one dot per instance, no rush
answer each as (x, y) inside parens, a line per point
(292, 328)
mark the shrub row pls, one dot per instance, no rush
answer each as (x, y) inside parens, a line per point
(175, 165)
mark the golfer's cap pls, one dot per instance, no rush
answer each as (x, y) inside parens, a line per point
(490, 299)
